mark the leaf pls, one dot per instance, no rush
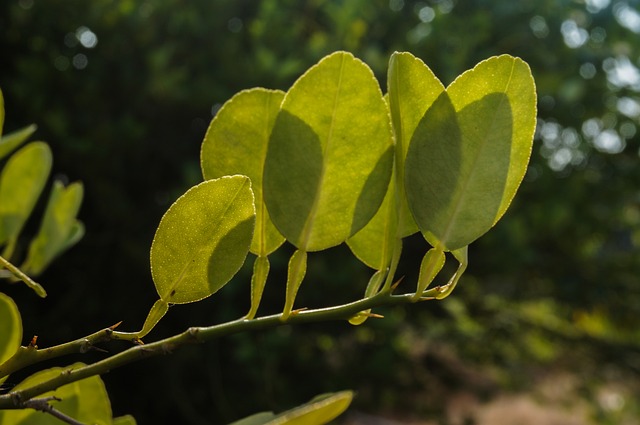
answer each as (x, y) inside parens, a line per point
(318, 411)
(373, 245)
(469, 152)
(412, 89)
(124, 420)
(321, 410)
(10, 329)
(21, 183)
(11, 141)
(203, 239)
(236, 143)
(86, 401)
(330, 154)
(59, 228)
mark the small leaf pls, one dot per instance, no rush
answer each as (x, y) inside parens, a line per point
(470, 151)
(10, 329)
(59, 228)
(124, 420)
(412, 89)
(85, 401)
(203, 239)
(320, 410)
(11, 141)
(261, 268)
(261, 418)
(157, 312)
(21, 183)
(236, 143)
(330, 154)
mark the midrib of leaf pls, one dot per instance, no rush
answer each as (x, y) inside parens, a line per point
(308, 225)
(183, 273)
(462, 195)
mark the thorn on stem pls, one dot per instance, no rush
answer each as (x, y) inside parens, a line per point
(33, 342)
(113, 327)
(396, 284)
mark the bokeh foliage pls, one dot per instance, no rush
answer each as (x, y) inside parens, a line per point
(123, 92)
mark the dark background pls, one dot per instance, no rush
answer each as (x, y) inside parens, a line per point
(123, 91)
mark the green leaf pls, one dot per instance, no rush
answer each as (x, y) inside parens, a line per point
(86, 401)
(469, 152)
(330, 154)
(10, 329)
(236, 143)
(373, 245)
(11, 141)
(1, 112)
(124, 420)
(261, 418)
(203, 239)
(59, 228)
(21, 183)
(412, 89)
(321, 410)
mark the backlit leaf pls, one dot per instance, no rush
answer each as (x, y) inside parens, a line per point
(59, 228)
(203, 239)
(236, 143)
(320, 410)
(10, 329)
(412, 89)
(330, 155)
(21, 183)
(470, 151)
(85, 401)
(11, 141)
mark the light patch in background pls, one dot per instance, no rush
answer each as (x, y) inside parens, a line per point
(627, 17)
(86, 37)
(595, 6)
(539, 26)
(573, 35)
(629, 107)
(622, 73)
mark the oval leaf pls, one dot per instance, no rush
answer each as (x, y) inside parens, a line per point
(330, 154)
(21, 183)
(466, 157)
(85, 401)
(412, 89)
(11, 141)
(59, 228)
(320, 410)
(236, 143)
(10, 329)
(203, 239)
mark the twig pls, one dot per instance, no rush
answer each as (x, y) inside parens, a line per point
(42, 404)
(23, 277)
(190, 336)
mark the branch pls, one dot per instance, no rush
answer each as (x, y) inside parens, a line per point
(23, 277)
(42, 404)
(193, 335)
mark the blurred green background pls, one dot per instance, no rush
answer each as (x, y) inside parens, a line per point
(124, 91)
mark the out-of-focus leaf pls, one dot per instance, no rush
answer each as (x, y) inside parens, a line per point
(330, 155)
(124, 420)
(21, 183)
(85, 401)
(10, 329)
(59, 228)
(470, 151)
(321, 410)
(11, 141)
(203, 239)
(412, 89)
(236, 143)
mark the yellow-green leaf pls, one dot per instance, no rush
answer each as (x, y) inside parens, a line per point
(11, 141)
(203, 239)
(412, 89)
(10, 329)
(330, 154)
(85, 401)
(59, 228)
(236, 143)
(470, 151)
(21, 183)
